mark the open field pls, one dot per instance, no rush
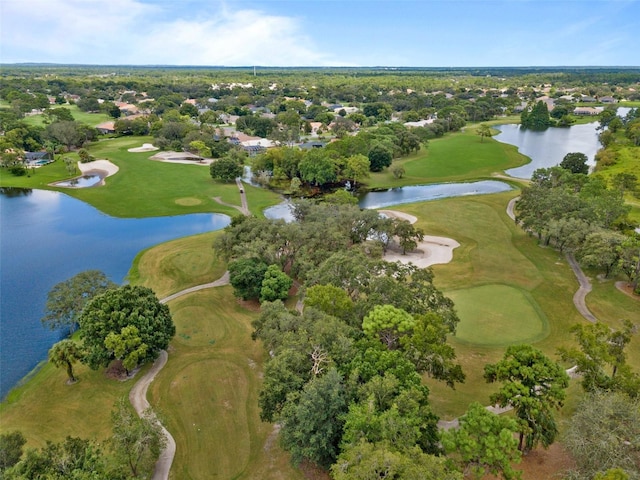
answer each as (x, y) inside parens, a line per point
(146, 188)
(452, 158)
(91, 119)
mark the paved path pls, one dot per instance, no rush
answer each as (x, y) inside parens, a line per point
(223, 280)
(138, 394)
(578, 301)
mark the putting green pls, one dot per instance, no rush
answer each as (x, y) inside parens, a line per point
(498, 315)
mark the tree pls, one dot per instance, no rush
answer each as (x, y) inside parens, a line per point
(317, 167)
(601, 359)
(575, 162)
(388, 324)
(366, 461)
(603, 435)
(536, 119)
(226, 169)
(379, 158)
(601, 249)
(116, 309)
(136, 441)
(629, 262)
(312, 425)
(426, 346)
(330, 299)
(484, 442)
(408, 235)
(246, 276)
(483, 131)
(533, 385)
(126, 346)
(357, 167)
(11, 444)
(72, 459)
(66, 299)
(66, 353)
(275, 284)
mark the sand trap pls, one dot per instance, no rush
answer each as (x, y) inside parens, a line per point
(146, 147)
(431, 251)
(181, 157)
(101, 165)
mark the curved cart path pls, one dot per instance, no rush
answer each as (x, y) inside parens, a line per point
(585, 285)
(138, 394)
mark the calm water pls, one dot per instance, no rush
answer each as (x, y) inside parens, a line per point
(548, 147)
(84, 181)
(47, 237)
(398, 196)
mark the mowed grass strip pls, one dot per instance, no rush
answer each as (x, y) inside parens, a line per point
(208, 392)
(498, 315)
(457, 157)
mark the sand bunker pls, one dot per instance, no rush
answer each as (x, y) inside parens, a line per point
(181, 157)
(100, 165)
(146, 147)
(431, 251)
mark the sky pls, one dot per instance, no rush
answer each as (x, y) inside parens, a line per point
(394, 33)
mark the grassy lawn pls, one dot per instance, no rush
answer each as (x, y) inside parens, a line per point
(145, 188)
(498, 259)
(91, 119)
(46, 408)
(457, 157)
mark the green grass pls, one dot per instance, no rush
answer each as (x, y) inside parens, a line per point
(492, 252)
(145, 188)
(176, 265)
(46, 408)
(498, 315)
(91, 119)
(457, 157)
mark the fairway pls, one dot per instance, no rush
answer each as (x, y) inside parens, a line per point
(498, 315)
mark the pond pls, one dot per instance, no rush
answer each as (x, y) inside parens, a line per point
(47, 237)
(88, 180)
(410, 194)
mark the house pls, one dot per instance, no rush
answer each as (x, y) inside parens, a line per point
(608, 100)
(106, 128)
(585, 111)
(37, 159)
(419, 123)
(311, 145)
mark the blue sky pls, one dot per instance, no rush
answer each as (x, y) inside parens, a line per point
(425, 33)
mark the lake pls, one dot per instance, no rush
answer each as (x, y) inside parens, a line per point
(546, 148)
(48, 237)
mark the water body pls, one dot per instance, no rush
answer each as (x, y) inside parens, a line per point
(548, 147)
(47, 237)
(411, 194)
(89, 180)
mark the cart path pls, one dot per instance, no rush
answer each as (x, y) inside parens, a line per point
(583, 281)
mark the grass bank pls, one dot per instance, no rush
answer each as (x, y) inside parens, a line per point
(462, 156)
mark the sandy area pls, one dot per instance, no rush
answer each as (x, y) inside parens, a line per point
(146, 147)
(180, 157)
(100, 165)
(431, 251)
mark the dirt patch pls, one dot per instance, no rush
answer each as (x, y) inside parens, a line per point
(253, 305)
(627, 289)
(540, 464)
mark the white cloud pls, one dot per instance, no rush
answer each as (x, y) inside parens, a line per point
(132, 32)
